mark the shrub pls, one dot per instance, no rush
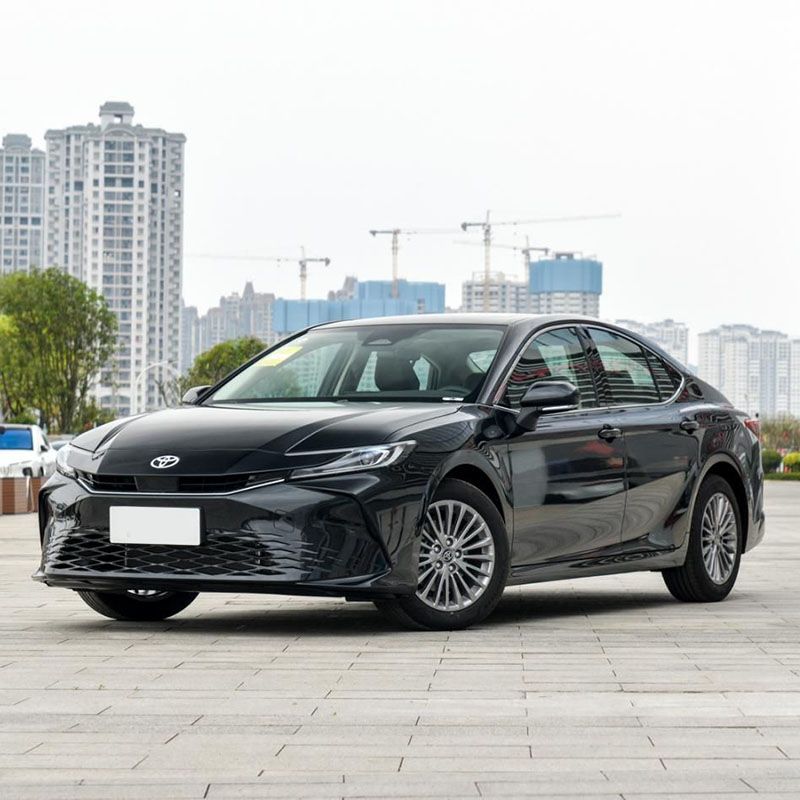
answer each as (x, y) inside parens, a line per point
(791, 462)
(771, 460)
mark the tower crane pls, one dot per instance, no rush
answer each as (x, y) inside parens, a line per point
(526, 251)
(487, 225)
(303, 262)
(396, 233)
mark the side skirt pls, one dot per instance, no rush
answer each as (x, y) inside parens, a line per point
(641, 561)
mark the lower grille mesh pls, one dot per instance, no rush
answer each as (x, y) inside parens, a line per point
(332, 554)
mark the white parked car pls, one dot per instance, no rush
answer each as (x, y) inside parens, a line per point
(24, 450)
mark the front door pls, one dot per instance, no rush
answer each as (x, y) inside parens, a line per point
(568, 475)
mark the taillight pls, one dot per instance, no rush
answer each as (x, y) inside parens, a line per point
(754, 426)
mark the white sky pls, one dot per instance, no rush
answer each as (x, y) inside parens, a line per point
(311, 122)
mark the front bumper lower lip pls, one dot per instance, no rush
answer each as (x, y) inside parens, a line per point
(116, 582)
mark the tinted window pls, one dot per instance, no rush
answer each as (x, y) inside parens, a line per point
(627, 373)
(412, 362)
(667, 379)
(552, 355)
(16, 439)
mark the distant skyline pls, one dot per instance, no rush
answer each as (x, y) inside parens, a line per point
(308, 123)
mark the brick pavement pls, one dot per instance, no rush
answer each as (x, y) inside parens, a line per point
(601, 688)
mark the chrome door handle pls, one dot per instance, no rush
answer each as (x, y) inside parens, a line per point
(689, 425)
(608, 433)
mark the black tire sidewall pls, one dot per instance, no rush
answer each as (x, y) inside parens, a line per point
(124, 606)
(694, 558)
(427, 617)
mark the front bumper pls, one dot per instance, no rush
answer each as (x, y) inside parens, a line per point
(346, 539)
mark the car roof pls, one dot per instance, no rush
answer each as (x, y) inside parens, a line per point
(460, 318)
(16, 426)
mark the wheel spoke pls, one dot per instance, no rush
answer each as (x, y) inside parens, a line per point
(719, 538)
(457, 556)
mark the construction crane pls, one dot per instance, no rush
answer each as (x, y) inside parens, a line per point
(303, 261)
(487, 225)
(396, 233)
(526, 251)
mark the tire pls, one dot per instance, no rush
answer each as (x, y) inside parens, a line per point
(135, 607)
(693, 582)
(474, 576)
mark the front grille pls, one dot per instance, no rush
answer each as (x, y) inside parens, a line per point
(190, 484)
(327, 554)
(109, 483)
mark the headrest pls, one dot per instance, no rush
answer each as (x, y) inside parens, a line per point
(395, 374)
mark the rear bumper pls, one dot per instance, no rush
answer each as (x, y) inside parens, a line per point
(286, 538)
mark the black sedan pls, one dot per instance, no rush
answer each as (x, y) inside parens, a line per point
(424, 463)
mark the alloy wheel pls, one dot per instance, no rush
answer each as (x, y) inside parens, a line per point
(719, 538)
(457, 556)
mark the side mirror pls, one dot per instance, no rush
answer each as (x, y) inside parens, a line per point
(546, 397)
(43, 448)
(193, 395)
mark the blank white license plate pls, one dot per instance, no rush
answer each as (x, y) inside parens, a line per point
(144, 525)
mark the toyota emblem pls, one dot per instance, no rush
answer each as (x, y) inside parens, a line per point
(164, 462)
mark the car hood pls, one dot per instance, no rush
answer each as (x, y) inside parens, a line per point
(269, 436)
(16, 457)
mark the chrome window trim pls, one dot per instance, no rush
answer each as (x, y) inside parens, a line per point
(179, 494)
(586, 327)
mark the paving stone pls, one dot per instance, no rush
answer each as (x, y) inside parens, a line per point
(602, 688)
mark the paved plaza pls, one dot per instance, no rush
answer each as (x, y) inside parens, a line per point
(601, 688)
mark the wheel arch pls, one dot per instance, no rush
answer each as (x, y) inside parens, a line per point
(726, 467)
(480, 470)
(474, 475)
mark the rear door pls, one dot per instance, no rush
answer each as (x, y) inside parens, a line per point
(661, 448)
(567, 473)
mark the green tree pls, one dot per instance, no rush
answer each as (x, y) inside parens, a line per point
(213, 365)
(59, 333)
(781, 433)
(16, 375)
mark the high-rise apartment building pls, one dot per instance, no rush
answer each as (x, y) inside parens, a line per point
(670, 336)
(190, 337)
(237, 315)
(22, 176)
(566, 284)
(506, 294)
(114, 219)
(757, 370)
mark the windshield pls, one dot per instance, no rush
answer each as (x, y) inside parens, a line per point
(15, 439)
(380, 362)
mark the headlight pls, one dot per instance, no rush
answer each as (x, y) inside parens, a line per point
(62, 457)
(358, 459)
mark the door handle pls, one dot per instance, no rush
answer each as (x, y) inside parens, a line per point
(689, 425)
(608, 433)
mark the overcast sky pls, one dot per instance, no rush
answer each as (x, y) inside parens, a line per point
(309, 123)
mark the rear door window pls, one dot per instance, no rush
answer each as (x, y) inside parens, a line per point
(667, 379)
(626, 370)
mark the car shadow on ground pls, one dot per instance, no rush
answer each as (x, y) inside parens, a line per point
(248, 618)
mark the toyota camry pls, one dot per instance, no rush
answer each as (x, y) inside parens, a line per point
(423, 463)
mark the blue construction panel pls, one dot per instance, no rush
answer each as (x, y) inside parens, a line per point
(374, 300)
(566, 275)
